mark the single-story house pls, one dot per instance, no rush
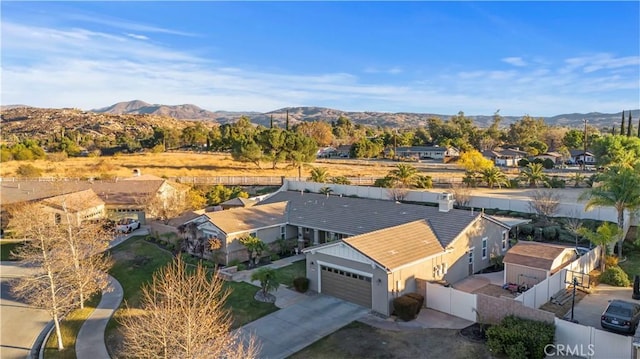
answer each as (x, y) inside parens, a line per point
(342, 151)
(505, 157)
(427, 152)
(529, 263)
(75, 207)
(553, 156)
(326, 152)
(580, 157)
(365, 250)
(238, 202)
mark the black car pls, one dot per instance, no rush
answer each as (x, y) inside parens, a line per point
(621, 316)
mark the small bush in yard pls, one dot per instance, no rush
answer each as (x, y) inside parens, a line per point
(419, 298)
(520, 338)
(611, 261)
(526, 229)
(615, 276)
(301, 284)
(405, 307)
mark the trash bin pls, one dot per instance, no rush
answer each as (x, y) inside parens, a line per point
(636, 287)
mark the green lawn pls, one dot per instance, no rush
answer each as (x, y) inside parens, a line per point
(135, 262)
(70, 328)
(6, 248)
(632, 265)
(245, 309)
(289, 273)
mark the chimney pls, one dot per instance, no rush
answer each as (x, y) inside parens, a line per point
(445, 202)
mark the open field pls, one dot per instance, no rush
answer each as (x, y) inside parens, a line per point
(176, 164)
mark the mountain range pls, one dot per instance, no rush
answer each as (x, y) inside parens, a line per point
(310, 113)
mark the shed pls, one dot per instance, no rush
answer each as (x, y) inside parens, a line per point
(530, 263)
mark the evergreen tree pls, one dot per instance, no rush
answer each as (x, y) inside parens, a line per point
(287, 126)
(271, 121)
(629, 126)
(622, 125)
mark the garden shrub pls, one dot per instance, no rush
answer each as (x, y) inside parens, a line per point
(233, 263)
(611, 261)
(514, 183)
(526, 229)
(301, 284)
(241, 267)
(28, 170)
(405, 307)
(615, 276)
(418, 297)
(274, 257)
(550, 233)
(520, 338)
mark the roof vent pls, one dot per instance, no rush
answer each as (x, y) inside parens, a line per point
(137, 172)
(445, 202)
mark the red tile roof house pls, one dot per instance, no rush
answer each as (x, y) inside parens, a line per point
(364, 250)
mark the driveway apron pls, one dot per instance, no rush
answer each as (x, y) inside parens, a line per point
(291, 329)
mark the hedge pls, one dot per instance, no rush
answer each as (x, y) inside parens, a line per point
(615, 276)
(520, 338)
(405, 307)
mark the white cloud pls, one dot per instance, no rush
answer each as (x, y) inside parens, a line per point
(515, 61)
(390, 71)
(88, 69)
(137, 36)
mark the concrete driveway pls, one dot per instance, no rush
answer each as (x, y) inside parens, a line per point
(20, 324)
(590, 308)
(288, 330)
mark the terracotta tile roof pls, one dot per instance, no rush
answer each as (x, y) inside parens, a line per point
(534, 254)
(396, 246)
(76, 201)
(245, 219)
(354, 216)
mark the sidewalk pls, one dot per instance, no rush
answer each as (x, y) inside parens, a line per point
(90, 341)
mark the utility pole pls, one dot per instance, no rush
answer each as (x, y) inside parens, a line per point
(584, 155)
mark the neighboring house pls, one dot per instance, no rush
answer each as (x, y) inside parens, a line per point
(326, 152)
(553, 156)
(364, 250)
(530, 263)
(267, 222)
(505, 158)
(130, 197)
(75, 207)
(342, 151)
(580, 157)
(427, 152)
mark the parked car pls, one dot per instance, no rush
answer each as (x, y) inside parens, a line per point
(127, 225)
(621, 316)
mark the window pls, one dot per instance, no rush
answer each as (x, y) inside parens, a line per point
(505, 238)
(471, 256)
(484, 248)
(253, 234)
(283, 232)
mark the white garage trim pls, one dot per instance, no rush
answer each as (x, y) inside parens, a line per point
(331, 265)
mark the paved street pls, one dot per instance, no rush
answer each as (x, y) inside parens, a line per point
(20, 324)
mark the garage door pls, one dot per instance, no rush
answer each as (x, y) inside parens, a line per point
(346, 285)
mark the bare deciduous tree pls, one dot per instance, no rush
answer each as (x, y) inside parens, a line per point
(86, 243)
(574, 223)
(184, 317)
(51, 287)
(545, 203)
(461, 194)
(166, 207)
(397, 193)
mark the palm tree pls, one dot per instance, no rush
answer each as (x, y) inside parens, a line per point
(605, 234)
(493, 176)
(319, 174)
(268, 280)
(619, 188)
(325, 190)
(577, 178)
(423, 181)
(404, 174)
(534, 174)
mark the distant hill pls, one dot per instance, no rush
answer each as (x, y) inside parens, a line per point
(310, 113)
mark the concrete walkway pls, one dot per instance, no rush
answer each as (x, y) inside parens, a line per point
(90, 341)
(293, 328)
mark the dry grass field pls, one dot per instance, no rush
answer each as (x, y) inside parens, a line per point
(190, 164)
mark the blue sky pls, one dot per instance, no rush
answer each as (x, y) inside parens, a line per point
(537, 58)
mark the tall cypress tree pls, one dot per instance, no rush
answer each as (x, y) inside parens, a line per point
(287, 126)
(271, 121)
(629, 126)
(622, 125)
